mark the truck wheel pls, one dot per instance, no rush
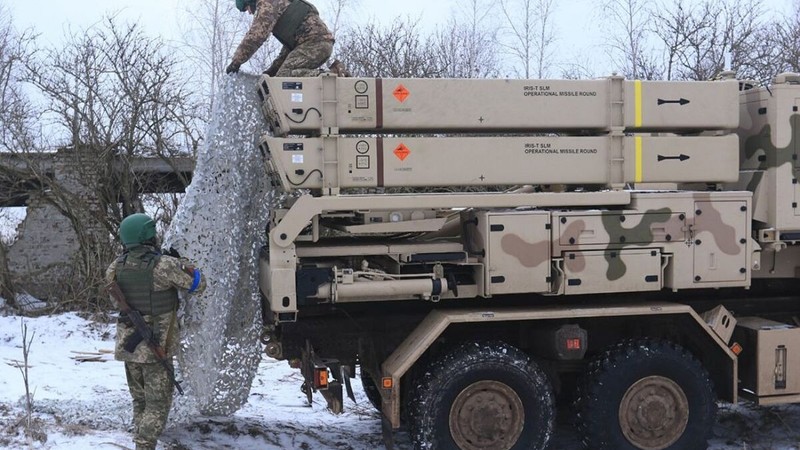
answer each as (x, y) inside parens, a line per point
(481, 396)
(371, 389)
(646, 394)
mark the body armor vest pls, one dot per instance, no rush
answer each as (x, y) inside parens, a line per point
(291, 20)
(135, 279)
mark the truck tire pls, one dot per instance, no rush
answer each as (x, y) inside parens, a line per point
(645, 394)
(482, 395)
(371, 390)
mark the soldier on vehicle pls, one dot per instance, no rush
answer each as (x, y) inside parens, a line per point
(307, 42)
(149, 282)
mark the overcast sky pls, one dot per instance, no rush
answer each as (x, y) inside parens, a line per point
(576, 21)
(52, 17)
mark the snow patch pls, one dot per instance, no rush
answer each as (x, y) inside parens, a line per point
(87, 405)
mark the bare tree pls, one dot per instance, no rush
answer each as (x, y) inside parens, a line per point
(787, 33)
(675, 25)
(699, 37)
(114, 95)
(16, 112)
(778, 46)
(395, 51)
(211, 32)
(467, 46)
(626, 28)
(337, 13)
(529, 35)
(16, 119)
(578, 70)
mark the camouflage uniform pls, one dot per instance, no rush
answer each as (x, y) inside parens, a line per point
(313, 46)
(148, 382)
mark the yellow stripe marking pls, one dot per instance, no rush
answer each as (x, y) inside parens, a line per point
(638, 178)
(638, 102)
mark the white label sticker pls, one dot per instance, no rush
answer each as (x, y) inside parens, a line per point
(297, 97)
(297, 159)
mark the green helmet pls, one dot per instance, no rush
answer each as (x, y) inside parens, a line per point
(241, 5)
(136, 229)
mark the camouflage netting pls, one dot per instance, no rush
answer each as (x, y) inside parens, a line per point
(220, 225)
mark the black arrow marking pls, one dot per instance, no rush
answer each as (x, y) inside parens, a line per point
(682, 157)
(682, 101)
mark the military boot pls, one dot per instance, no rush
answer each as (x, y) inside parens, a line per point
(339, 69)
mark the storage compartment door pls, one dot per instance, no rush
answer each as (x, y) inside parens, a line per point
(627, 270)
(518, 257)
(720, 241)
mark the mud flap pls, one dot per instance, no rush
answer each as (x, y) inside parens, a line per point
(347, 385)
(331, 391)
(307, 370)
(388, 433)
(333, 395)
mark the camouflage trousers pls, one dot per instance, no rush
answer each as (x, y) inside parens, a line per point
(305, 60)
(151, 390)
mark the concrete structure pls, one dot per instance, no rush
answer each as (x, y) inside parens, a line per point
(42, 259)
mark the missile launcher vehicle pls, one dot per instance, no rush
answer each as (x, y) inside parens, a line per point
(486, 250)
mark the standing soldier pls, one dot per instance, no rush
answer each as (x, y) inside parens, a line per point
(307, 42)
(148, 283)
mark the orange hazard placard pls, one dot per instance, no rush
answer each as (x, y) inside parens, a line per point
(402, 152)
(401, 93)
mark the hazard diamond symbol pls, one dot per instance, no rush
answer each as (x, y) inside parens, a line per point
(402, 152)
(401, 93)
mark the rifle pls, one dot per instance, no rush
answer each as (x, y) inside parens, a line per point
(144, 332)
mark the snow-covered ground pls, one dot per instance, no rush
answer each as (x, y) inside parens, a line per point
(81, 405)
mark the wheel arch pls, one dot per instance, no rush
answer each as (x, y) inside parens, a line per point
(689, 330)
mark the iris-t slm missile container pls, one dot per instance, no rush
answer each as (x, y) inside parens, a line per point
(485, 249)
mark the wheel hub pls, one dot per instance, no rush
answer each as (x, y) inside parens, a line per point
(487, 415)
(653, 413)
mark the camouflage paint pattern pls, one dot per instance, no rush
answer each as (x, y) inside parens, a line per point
(151, 391)
(639, 235)
(529, 254)
(266, 16)
(724, 234)
(698, 225)
(618, 231)
(763, 140)
(768, 130)
(574, 228)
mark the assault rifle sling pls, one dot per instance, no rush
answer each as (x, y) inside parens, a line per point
(144, 331)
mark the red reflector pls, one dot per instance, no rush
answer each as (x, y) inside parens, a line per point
(573, 344)
(321, 380)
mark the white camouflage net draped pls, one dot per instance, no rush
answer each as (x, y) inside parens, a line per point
(220, 225)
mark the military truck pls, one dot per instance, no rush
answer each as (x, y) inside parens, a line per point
(490, 252)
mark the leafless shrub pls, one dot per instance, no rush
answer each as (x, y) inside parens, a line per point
(32, 427)
(698, 37)
(114, 95)
(396, 51)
